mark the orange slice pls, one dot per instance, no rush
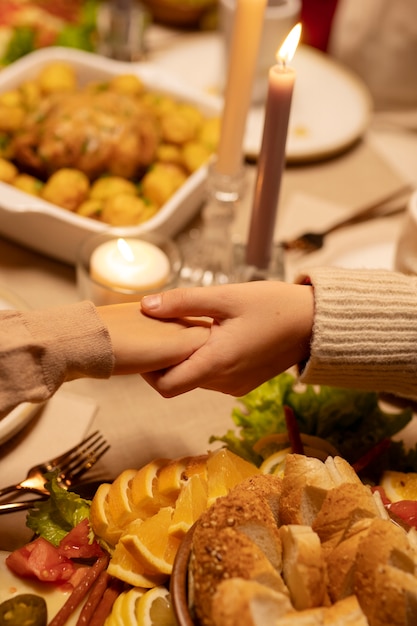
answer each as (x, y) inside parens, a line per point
(170, 480)
(126, 568)
(118, 503)
(225, 470)
(150, 544)
(142, 486)
(191, 503)
(99, 519)
(196, 465)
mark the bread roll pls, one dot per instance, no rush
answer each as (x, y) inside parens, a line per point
(226, 553)
(305, 485)
(395, 601)
(384, 545)
(342, 507)
(346, 612)
(249, 513)
(238, 601)
(303, 566)
(341, 562)
(267, 487)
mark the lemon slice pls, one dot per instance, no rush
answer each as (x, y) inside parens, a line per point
(275, 463)
(115, 617)
(154, 608)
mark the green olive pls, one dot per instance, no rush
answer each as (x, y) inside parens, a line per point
(26, 609)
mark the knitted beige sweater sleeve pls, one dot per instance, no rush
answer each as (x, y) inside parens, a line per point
(365, 330)
(39, 350)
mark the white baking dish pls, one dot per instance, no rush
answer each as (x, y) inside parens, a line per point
(58, 233)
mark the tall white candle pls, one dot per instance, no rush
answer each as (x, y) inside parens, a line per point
(243, 55)
(272, 155)
(129, 264)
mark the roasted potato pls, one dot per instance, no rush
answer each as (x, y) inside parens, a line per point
(111, 150)
(67, 188)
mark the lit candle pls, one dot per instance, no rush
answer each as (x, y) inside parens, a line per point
(243, 55)
(129, 264)
(272, 155)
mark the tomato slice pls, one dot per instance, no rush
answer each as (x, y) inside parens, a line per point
(406, 510)
(40, 559)
(76, 544)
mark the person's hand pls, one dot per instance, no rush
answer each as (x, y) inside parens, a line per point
(142, 344)
(259, 330)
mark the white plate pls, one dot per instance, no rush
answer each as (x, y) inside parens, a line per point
(330, 107)
(372, 256)
(59, 233)
(330, 110)
(11, 586)
(25, 412)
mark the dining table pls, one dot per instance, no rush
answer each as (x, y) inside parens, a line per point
(138, 423)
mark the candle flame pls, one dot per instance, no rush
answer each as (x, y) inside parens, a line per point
(288, 48)
(125, 250)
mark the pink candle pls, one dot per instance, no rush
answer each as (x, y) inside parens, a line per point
(272, 156)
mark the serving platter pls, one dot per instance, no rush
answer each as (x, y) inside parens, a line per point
(58, 233)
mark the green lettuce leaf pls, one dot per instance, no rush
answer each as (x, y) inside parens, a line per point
(53, 518)
(353, 421)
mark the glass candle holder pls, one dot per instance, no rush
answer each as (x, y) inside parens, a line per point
(208, 252)
(113, 268)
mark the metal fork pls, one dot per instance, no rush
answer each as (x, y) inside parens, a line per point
(71, 466)
(311, 241)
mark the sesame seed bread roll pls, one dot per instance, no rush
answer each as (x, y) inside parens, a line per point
(247, 512)
(266, 487)
(385, 545)
(226, 553)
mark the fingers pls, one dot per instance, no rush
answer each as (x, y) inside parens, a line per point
(174, 381)
(197, 301)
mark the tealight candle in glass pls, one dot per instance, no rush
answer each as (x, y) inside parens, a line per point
(114, 267)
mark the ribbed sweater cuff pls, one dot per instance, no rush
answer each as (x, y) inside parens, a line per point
(365, 330)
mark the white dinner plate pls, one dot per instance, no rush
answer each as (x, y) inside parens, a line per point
(372, 256)
(330, 108)
(25, 412)
(11, 586)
